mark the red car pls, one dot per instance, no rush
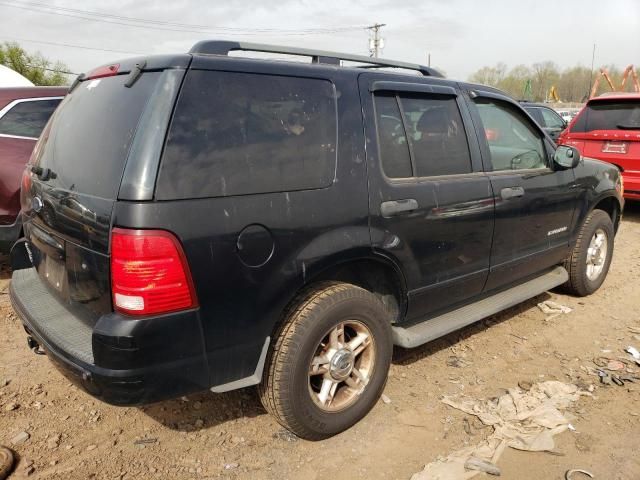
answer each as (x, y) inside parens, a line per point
(608, 128)
(23, 114)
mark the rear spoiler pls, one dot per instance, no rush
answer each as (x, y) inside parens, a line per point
(135, 64)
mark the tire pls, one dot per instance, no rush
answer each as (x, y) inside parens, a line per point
(585, 277)
(6, 462)
(293, 389)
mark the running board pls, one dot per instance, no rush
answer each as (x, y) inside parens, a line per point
(438, 326)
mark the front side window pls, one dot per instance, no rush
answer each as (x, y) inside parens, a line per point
(238, 133)
(27, 118)
(551, 119)
(421, 136)
(513, 141)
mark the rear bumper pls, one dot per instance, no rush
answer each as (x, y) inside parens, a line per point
(9, 234)
(119, 360)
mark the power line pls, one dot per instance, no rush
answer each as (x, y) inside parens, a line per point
(51, 69)
(163, 25)
(184, 25)
(16, 39)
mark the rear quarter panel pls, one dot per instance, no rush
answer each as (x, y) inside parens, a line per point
(241, 304)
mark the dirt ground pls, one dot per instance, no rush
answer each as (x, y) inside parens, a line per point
(73, 436)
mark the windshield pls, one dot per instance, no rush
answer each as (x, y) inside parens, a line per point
(609, 115)
(88, 138)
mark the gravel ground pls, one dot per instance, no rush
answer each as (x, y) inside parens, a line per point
(59, 432)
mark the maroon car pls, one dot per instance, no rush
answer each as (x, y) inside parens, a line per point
(23, 114)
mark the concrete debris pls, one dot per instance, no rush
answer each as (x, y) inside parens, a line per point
(20, 438)
(553, 309)
(457, 362)
(524, 420)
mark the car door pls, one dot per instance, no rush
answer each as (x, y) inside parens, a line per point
(535, 201)
(430, 204)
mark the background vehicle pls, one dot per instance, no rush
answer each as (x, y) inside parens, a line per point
(608, 128)
(24, 112)
(547, 118)
(287, 224)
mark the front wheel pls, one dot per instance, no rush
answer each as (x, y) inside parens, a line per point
(590, 259)
(330, 360)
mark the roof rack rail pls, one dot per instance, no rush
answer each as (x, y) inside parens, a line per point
(223, 47)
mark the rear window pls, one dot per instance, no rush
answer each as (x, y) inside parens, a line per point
(238, 133)
(87, 142)
(609, 115)
(27, 118)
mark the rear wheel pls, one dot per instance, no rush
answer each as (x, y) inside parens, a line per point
(590, 259)
(330, 360)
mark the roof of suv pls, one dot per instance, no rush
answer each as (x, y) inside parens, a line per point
(32, 92)
(616, 95)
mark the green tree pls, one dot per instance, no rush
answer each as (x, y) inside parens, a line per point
(572, 84)
(490, 75)
(33, 66)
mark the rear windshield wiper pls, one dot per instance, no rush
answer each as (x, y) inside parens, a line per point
(627, 126)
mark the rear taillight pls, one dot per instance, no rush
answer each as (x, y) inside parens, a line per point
(149, 273)
(105, 71)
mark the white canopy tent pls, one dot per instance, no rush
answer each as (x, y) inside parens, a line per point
(11, 78)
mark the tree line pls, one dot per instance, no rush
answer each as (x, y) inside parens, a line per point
(534, 82)
(34, 66)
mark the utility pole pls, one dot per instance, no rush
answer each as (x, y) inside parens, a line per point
(376, 43)
(593, 58)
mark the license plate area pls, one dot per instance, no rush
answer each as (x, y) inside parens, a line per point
(615, 147)
(53, 272)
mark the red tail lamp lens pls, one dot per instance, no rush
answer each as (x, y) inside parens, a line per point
(149, 273)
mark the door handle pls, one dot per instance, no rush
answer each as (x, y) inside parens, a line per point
(511, 192)
(396, 207)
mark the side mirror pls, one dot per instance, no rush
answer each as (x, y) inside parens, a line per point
(566, 157)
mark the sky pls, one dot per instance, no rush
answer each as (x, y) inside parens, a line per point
(461, 35)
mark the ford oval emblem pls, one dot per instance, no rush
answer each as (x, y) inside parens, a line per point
(36, 204)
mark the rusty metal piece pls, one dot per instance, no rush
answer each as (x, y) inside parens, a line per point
(569, 473)
(617, 380)
(6, 462)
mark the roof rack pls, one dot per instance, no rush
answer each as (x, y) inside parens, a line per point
(223, 47)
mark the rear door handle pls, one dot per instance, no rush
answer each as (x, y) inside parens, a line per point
(396, 207)
(511, 192)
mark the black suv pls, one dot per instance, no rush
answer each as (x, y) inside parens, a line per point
(550, 121)
(204, 221)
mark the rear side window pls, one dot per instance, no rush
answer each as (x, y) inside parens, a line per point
(27, 118)
(421, 136)
(609, 115)
(551, 119)
(239, 133)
